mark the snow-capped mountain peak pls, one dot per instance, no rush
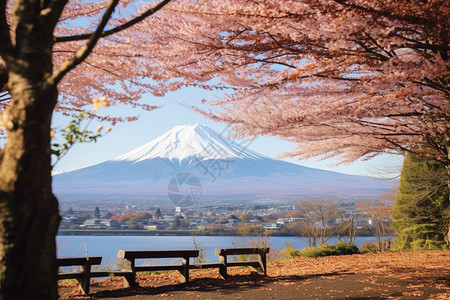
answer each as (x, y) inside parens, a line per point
(186, 142)
(222, 166)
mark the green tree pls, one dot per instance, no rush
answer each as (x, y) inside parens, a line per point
(97, 213)
(232, 217)
(177, 223)
(158, 214)
(422, 207)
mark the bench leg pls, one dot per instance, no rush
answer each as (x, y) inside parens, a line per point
(262, 258)
(223, 267)
(85, 281)
(185, 270)
(129, 280)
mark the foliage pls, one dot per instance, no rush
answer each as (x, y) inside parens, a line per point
(422, 208)
(352, 78)
(84, 216)
(260, 240)
(73, 134)
(158, 213)
(289, 251)
(380, 214)
(328, 250)
(369, 248)
(232, 217)
(97, 212)
(135, 217)
(316, 214)
(245, 217)
(248, 230)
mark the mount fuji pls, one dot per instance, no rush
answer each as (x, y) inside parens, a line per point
(222, 167)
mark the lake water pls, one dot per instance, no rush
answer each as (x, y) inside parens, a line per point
(108, 246)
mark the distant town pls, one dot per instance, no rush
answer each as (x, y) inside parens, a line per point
(235, 219)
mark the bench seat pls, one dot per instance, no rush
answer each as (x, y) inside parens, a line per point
(183, 268)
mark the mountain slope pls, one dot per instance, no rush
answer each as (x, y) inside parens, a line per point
(223, 167)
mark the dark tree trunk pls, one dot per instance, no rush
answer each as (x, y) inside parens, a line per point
(29, 216)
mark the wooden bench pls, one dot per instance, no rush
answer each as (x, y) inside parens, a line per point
(85, 274)
(132, 255)
(259, 264)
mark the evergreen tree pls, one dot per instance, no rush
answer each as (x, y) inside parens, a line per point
(158, 213)
(177, 224)
(422, 208)
(97, 213)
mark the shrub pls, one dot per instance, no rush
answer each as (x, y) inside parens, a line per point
(289, 253)
(328, 250)
(369, 248)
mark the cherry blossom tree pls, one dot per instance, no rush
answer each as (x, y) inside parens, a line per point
(55, 55)
(345, 78)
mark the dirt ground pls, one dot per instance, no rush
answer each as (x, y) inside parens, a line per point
(408, 275)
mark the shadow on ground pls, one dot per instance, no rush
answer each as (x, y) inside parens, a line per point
(340, 285)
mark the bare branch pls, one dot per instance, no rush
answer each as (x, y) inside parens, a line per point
(115, 29)
(386, 14)
(84, 51)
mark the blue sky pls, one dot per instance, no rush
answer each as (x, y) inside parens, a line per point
(127, 136)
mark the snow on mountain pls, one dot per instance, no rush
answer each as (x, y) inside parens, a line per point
(187, 142)
(223, 167)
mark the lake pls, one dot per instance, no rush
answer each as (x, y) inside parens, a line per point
(108, 246)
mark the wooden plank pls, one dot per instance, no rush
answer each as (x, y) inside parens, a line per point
(242, 251)
(158, 268)
(140, 254)
(78, 261)
(71, 275)
(119, 273)
(110, 273)
(74, 275)
(254, 264)
(206, 266)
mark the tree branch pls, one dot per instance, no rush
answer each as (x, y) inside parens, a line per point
(5, 44)
(3, 78)
(53, 11)
(84, 51)
(115, 29)
(386, 14)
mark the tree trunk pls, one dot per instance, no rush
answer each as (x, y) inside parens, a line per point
(29, 216)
